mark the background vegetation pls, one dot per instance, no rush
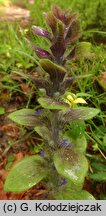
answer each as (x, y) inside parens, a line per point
(16, 55)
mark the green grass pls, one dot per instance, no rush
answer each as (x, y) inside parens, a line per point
(16, 55)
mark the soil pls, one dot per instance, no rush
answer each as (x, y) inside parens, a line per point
(15, 142)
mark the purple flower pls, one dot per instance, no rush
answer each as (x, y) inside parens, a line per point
(53, 168)
(41, 153)
(63, 181)
(41, 32)
(41, 53)
(39, 112)
(65, 143)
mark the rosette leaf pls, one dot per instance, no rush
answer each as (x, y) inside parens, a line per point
(24, 175)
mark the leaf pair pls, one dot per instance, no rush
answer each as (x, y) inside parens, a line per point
(28, 117)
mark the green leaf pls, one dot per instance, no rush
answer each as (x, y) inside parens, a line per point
(81, 113)
(59, 46)
(76, 129)
(49, 103)
(2, 110)
(55, 71)
(99, 176)
(28, 172)
(71, 194)
(25, 117)
(73, 32)
(104, 140)
(80, 143)
(43, 132)
(98, 166)
(102, 196)
(10, 160)
(52, 22)
(71, 164)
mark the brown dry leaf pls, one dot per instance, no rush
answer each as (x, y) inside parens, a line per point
(18, 157)
(102, 80)
(4, 96)
(40, 192)
(11, 130)
(26, 89)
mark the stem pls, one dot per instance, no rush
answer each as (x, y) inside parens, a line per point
(55, 130)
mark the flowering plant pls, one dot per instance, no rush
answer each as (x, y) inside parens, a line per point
(61, 162)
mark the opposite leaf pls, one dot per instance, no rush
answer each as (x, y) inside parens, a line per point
(81, 113)
(55, 71)
(25, 174)
(49, 103)
(43, 131)
(71, 164)
(58, 47)
(25, 117)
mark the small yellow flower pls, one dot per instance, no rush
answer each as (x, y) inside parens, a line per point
(72, 99)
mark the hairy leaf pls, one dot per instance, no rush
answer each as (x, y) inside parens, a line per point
(43, 132)
(52, 22)
(76, 129)
(73, 32)
(80, 143)
(39, 82)
(71, 55)
(69, 20)
(71, 164)
(58, 47)
(28, 172)
(25, 117)
(58, 13)
(55, 71)
(49, 103)
(81, 113)
(67, 82)
(72, 194)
